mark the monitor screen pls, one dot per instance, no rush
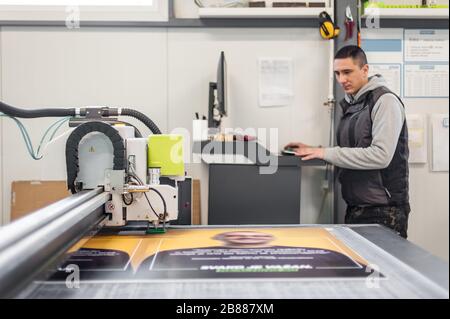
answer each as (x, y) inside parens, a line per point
(222, 85)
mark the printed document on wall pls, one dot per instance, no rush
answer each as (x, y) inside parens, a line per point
(276, 77)
(417, 138)
(440, 125)
(392, 74)
(426, 45)
(426, 81)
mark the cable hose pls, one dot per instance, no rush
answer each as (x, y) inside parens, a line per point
(36, 113)
(143, 118)
(60, 112)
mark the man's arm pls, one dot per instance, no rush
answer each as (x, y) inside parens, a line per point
(388, 118)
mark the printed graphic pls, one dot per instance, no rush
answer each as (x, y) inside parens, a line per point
(218, 253)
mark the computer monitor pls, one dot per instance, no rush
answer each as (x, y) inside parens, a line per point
(218, 94)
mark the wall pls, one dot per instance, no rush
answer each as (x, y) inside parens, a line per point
(165, 74)
(54, 67)
(429, 223)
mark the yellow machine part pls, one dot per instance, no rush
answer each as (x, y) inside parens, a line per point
(166, 152)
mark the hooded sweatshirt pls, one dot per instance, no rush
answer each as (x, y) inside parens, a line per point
(388, 117)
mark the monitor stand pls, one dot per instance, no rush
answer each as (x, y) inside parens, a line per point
(212, 122)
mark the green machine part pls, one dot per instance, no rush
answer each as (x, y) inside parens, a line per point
(166, 152)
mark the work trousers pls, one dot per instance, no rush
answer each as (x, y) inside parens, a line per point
(394, 217)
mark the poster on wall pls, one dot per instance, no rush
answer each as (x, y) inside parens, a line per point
(392, 74)
(426, 45)
(426, 63)
(276, 81)
(426, 81)
(384, 50)
(218, 254)
(440, 127)
(417, 138)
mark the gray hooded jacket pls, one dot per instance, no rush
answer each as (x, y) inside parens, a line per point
(373, 148)
(388, 117)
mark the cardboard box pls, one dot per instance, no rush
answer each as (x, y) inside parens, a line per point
(196, 203)
(29, 196)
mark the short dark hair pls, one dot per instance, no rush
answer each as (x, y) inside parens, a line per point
(354, 52)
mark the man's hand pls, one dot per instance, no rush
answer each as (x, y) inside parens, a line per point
(308, 153)
(296, 146)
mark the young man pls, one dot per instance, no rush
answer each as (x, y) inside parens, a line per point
(372, 153)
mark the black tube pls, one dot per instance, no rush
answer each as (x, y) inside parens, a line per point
(143, 118)
(30, 114)
(59, 112)
(74, 141)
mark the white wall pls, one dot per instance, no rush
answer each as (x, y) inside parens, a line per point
(429, 223)
(56, 67)
(185, 9)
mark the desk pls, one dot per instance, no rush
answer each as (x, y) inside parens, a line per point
(249, 185)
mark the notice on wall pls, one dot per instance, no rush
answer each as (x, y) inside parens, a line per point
(424, 80)
(392, 73)
(426, 45)
(440, 127)
(383, 46)
(276, 82)
(417, 138)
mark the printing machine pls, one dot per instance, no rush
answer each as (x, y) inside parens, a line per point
(128, 195)
(114, 175)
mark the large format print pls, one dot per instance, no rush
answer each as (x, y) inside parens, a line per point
(218, 253)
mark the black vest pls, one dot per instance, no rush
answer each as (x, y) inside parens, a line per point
(385, 187)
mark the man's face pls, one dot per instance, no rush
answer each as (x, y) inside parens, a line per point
(351, 75)
(247, 238)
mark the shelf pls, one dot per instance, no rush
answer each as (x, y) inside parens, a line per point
(385, 13)
(407, 18)
(255, 13)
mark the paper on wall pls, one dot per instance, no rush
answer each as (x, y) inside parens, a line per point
(426, 45)
(440, 125)
(417, 138)
(426, 80)
(391, 74)
(275, 81)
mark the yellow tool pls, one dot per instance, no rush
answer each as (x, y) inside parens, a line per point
(328, 30)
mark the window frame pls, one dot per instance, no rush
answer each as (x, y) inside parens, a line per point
(158, 12)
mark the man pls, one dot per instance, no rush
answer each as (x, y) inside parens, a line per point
(372, 153)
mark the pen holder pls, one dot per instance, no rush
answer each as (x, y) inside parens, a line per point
(200, 130)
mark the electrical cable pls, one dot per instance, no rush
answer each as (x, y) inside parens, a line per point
(125, 201)
(133, 175)
(36, 113)
(26, 136)
(327, 176)
(143, 118)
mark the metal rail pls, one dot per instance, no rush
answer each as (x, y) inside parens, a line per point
(32, 253)
(15, 231)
